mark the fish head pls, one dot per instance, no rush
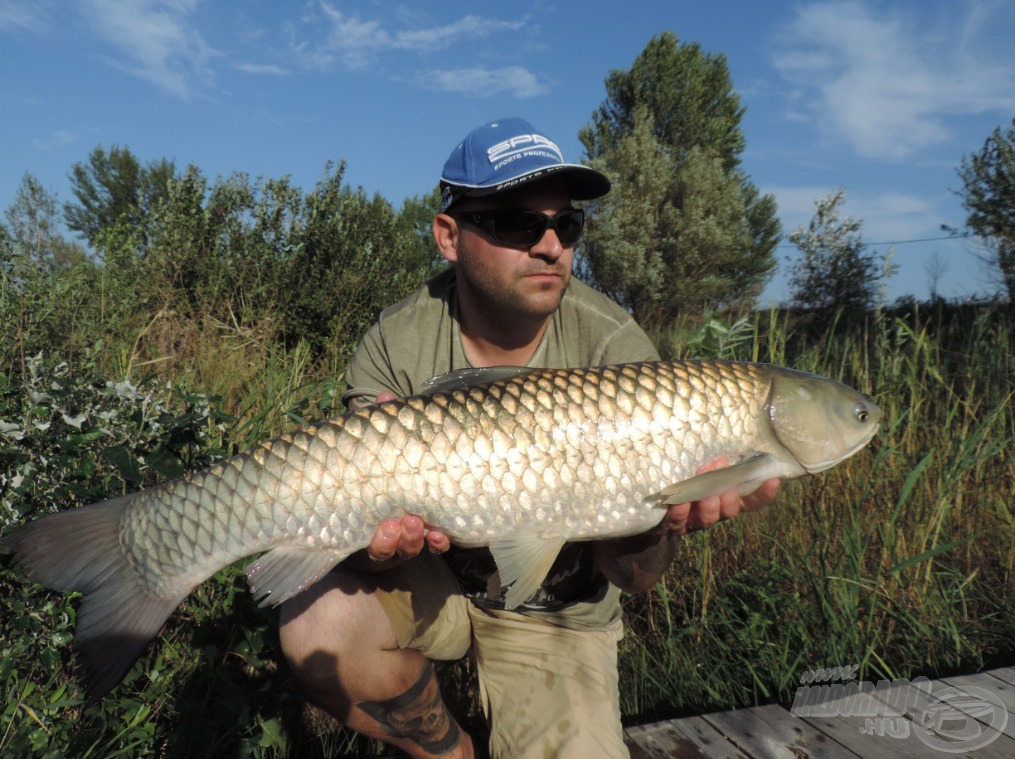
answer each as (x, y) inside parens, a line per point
(818, 420)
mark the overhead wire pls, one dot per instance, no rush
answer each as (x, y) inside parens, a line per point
(902, 242)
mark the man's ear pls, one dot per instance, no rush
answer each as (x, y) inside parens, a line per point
(445, 233)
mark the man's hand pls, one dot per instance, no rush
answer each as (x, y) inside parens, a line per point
(404, 538)
(635, 564)
(682, 518)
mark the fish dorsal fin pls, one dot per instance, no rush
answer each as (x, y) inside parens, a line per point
(444, 383)
(286, 571)
(745, 476)
(522, 565)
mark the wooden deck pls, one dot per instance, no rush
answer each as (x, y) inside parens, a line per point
(772, 731)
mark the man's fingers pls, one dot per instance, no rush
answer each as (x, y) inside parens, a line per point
(412, 536)
(705, 513)
(676, 518)
(437, 541)
(406, 538)
(385, 541)
(763, 495)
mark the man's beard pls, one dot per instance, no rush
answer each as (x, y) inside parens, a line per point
(501, 304)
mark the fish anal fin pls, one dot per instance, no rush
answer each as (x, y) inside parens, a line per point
(285, 571)
(746, 476)
(522, 565)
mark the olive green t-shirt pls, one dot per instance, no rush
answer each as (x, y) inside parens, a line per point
(419, 338)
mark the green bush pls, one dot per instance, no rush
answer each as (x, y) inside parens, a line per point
(211, 683)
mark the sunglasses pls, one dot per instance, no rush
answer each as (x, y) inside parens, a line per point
(523, 229)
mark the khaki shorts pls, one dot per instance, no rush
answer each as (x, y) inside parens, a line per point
(546, 690)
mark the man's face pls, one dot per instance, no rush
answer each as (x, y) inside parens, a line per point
(513, 282)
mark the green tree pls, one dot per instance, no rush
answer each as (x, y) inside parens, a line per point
(682, 98)
(689, 96)
(988, 195)
(316, 266)
(351, 256)
(33, 222)
(668, 238)
(114, 187)
(415, 220)
(46, 298)
(835, 268)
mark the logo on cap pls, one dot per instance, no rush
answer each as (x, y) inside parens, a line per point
(534, 145)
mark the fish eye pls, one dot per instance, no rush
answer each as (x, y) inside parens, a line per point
(862, 415)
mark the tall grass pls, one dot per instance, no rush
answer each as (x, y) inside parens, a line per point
(901, 560)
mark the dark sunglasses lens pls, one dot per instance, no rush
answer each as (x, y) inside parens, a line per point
(519, 228)
(569, 227)
(527, 228)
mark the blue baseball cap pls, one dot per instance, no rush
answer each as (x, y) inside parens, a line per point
(507, 153)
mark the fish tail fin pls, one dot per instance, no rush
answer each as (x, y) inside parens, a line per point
(79, 550)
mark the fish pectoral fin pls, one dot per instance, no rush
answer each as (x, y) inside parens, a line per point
(285, 571)
(745, 476)
(522, 565)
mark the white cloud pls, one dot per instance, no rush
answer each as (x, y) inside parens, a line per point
(359, 42)
(156, 39)
(887, 217)
(55, 139)
(513, 80)
(260, 69)
(438, 38)
(886, 82)
(22, 14)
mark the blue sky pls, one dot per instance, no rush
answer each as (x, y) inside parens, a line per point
(881, 98)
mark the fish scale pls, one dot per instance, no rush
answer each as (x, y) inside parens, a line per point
(516, 459)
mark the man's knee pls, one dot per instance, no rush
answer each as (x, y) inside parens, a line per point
(328, 626)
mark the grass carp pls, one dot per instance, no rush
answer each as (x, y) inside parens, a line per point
(517, 459)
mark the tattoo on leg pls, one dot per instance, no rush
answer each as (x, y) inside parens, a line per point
(418, 714)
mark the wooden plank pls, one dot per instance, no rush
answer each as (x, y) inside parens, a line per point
(1007, 674)
(918, 700)
(1005, 692)
(814, 738)
(771, 731)
(849, 731)
(664, 739)
(635, 750)
(853, 732)
(710, 741)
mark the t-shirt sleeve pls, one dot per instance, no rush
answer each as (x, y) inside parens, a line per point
(369, 372)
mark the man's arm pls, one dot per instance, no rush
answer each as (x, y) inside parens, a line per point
(635, 564)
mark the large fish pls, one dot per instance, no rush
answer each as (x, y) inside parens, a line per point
(519, 460)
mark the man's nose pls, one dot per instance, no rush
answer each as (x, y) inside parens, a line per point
(548, 247)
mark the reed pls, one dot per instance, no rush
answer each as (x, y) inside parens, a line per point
(898, 560)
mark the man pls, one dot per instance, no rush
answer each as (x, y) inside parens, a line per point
(361, 640)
